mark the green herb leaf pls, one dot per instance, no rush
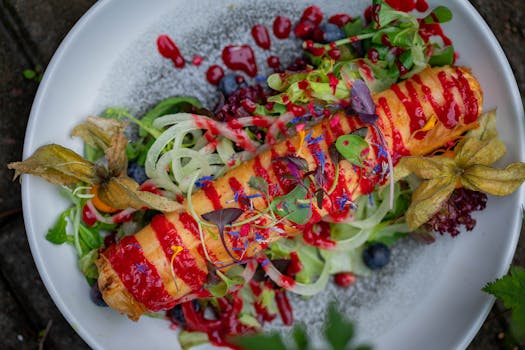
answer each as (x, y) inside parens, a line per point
(293, 206)
(259, 184)
(338, 331)
(188, 340)
(87, 264)
(300, 337)
(440, 14)
(351, 147)
(58, 234)
(169, 105)
(511, 290)
(90, 237)
(262, 341)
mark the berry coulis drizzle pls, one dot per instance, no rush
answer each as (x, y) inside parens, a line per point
(242, 58)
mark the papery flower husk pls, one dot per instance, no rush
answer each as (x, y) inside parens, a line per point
(60, 166)
(425, 167)
(498, 182)
(427, 199)
(472, 151)
(99, 132)
(123, 192)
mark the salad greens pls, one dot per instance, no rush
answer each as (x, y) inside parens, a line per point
(338, 334)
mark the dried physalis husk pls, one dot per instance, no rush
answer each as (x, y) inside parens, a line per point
(425, 167)
(427, 199)
(58, 165)
(62, 166)
(470, 168)
(123, 192)
(498, 182)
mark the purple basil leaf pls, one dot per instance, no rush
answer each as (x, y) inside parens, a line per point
(299, 162)
(222, 217)
(362, 103)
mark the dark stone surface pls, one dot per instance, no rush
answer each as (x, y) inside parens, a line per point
(30, 31)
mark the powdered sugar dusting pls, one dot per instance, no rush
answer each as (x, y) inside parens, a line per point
(380, 301)
(141, 78)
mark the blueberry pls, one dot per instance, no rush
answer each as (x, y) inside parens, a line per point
(96, 295)
(376, 256)
(137, 172)
(229, 84)
(330, 33)
(176, 315)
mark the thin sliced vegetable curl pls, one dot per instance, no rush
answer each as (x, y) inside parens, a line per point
(62, 166)
(470, 167)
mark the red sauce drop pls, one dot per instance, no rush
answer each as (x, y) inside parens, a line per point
(282, 26)
(197, 60)
(295, 265)
(214, 74)
(280, 170)
(339, 19)
(427, 30)
(184, 264)
(408, 5)
(190, 225)
(344, 279)
(283, 304)
(373, 55)
(261, 171)
(139, 276)
(468, 96)
(413, 108)
(238, 189)
(88, 216)
(318, 235)
(274, 62)
(167, 48)
(399, 149)
(448, 112)
(261, 36)
(240, 58)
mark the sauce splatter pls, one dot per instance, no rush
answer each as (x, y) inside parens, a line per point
(168, 49)
(261, 36)
(241, 58)
(214, 74)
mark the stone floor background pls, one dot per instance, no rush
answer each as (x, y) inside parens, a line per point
(30, 31)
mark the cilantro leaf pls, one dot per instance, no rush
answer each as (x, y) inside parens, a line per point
(511, 290)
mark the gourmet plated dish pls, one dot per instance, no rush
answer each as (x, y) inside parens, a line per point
(371, 135)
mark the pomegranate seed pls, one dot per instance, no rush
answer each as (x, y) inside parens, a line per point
(344, 279)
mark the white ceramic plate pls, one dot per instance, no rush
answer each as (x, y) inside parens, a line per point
(433, 300)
